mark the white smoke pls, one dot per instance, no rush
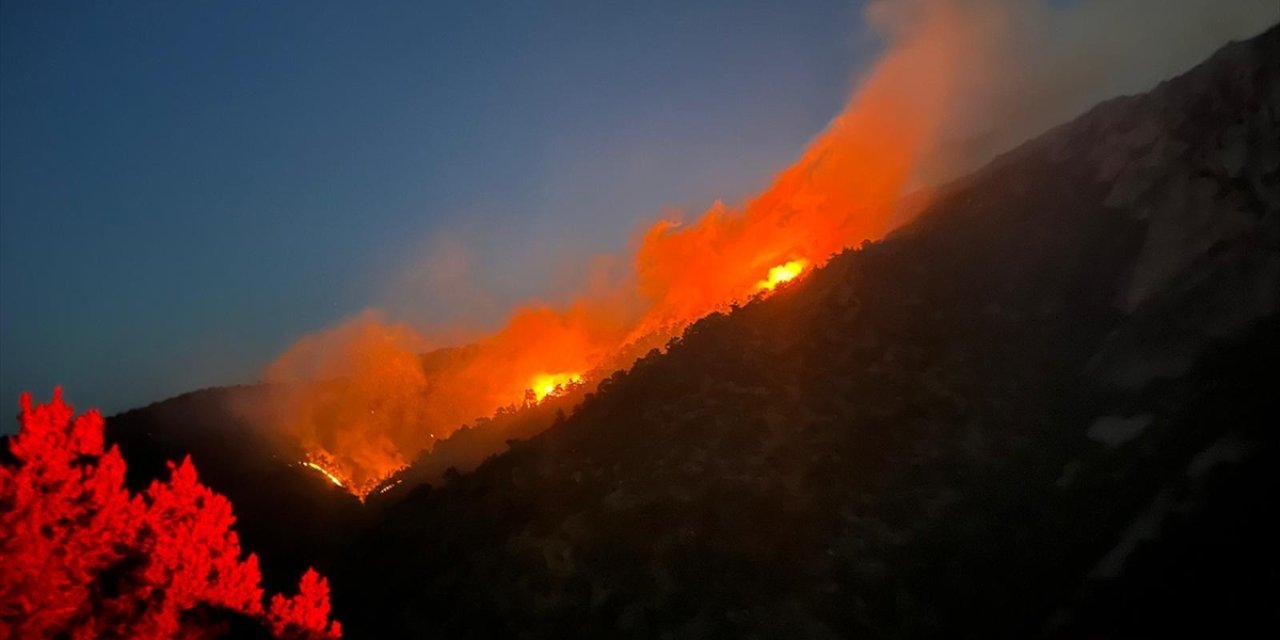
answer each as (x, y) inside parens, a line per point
(1050, 62)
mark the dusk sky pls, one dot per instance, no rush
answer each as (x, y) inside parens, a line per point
(185, 188)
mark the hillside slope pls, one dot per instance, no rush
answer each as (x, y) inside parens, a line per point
(1047, 407)
(291, 516)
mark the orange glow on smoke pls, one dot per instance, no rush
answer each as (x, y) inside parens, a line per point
(375, 401)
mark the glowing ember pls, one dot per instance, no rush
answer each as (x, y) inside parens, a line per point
(550, 384)
(782, 273)
(332, 478)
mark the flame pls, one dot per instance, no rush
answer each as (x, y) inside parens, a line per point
(785, 272)
(383, 402)
(328, 474)
(548, 384)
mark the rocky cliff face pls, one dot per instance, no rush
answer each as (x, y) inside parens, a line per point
(1198, 162)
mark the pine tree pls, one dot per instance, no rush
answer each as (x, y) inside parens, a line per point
(85, 558)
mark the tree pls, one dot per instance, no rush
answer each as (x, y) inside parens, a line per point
(85, 558)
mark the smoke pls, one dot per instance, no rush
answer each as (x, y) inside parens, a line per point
(354, 396)
(1047, 64)
(958, 81)
(442, 290)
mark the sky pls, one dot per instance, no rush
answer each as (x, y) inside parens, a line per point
(185, 188)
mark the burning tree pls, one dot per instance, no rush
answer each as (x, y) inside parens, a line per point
(83, 557)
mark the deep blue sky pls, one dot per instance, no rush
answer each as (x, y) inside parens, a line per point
(186, 187)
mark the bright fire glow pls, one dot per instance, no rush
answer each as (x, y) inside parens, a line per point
(332, 478)
(548, 384)
(782, 273)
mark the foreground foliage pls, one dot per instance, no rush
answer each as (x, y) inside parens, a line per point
(86, 558)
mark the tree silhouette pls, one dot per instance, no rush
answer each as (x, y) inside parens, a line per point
(84, 558)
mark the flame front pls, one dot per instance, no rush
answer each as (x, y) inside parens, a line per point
(328, 474)
(547, 384)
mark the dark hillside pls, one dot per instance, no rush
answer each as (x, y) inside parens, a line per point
(1045, 408)
(290, 516)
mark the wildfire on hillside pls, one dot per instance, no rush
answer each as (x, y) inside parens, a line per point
(384, 404)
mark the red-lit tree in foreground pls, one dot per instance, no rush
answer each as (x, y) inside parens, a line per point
(82, 557)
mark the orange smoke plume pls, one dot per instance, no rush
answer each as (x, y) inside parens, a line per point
(846, 186)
